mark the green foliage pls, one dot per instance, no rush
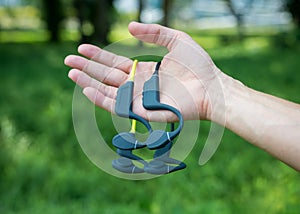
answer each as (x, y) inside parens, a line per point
(43, 169)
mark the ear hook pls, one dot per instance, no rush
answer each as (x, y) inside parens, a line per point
(151, 101)
(123, 108)
(125, 142)
(160, 139)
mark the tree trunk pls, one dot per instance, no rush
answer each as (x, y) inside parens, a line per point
(166, 8)
(53, 16)
(293, 7)
(102, 18)
(81, 8)
(140, 10)
(100, 14)
(239, 18)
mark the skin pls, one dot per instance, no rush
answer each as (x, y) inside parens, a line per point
(205, 93)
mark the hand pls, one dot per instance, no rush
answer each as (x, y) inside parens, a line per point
(191, 82)
(188, 76)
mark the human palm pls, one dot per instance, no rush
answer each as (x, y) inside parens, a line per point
(186, 74)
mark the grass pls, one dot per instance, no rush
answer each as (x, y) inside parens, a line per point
(43, 168)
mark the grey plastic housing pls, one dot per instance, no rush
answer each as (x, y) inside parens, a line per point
(124, 99)
(127, 141)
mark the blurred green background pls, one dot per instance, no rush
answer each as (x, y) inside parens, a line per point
(43, 168)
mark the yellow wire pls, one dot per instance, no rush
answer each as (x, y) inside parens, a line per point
(133, 126)
(133, 69)
(131, 78)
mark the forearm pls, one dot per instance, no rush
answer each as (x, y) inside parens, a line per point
(268, 122)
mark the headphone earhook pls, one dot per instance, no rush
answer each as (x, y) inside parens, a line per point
(160, 140)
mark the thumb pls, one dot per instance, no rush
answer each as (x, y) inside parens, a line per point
(156, 34)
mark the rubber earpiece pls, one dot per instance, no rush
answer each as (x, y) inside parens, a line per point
(159, 138)
(159, 167)
(127, 141)
(126, 165)
(162, 158)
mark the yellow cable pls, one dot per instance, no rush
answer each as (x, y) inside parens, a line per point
(131, 78)
(133, 126)
(133, 69)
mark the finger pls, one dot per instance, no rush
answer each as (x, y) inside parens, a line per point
(75, 61)
(105, 57)
(99, 99)
(84, 80)
(108, 75)
(157, 34)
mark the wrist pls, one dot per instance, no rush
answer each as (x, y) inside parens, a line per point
(223, 94)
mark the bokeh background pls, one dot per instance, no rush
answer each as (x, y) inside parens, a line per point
(43, 168)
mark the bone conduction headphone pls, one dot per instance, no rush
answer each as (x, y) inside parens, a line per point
(159, 140)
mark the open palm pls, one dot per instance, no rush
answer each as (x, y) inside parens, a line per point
(186, 74)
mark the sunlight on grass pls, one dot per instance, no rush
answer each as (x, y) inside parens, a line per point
(23, 36)
(120, 33)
